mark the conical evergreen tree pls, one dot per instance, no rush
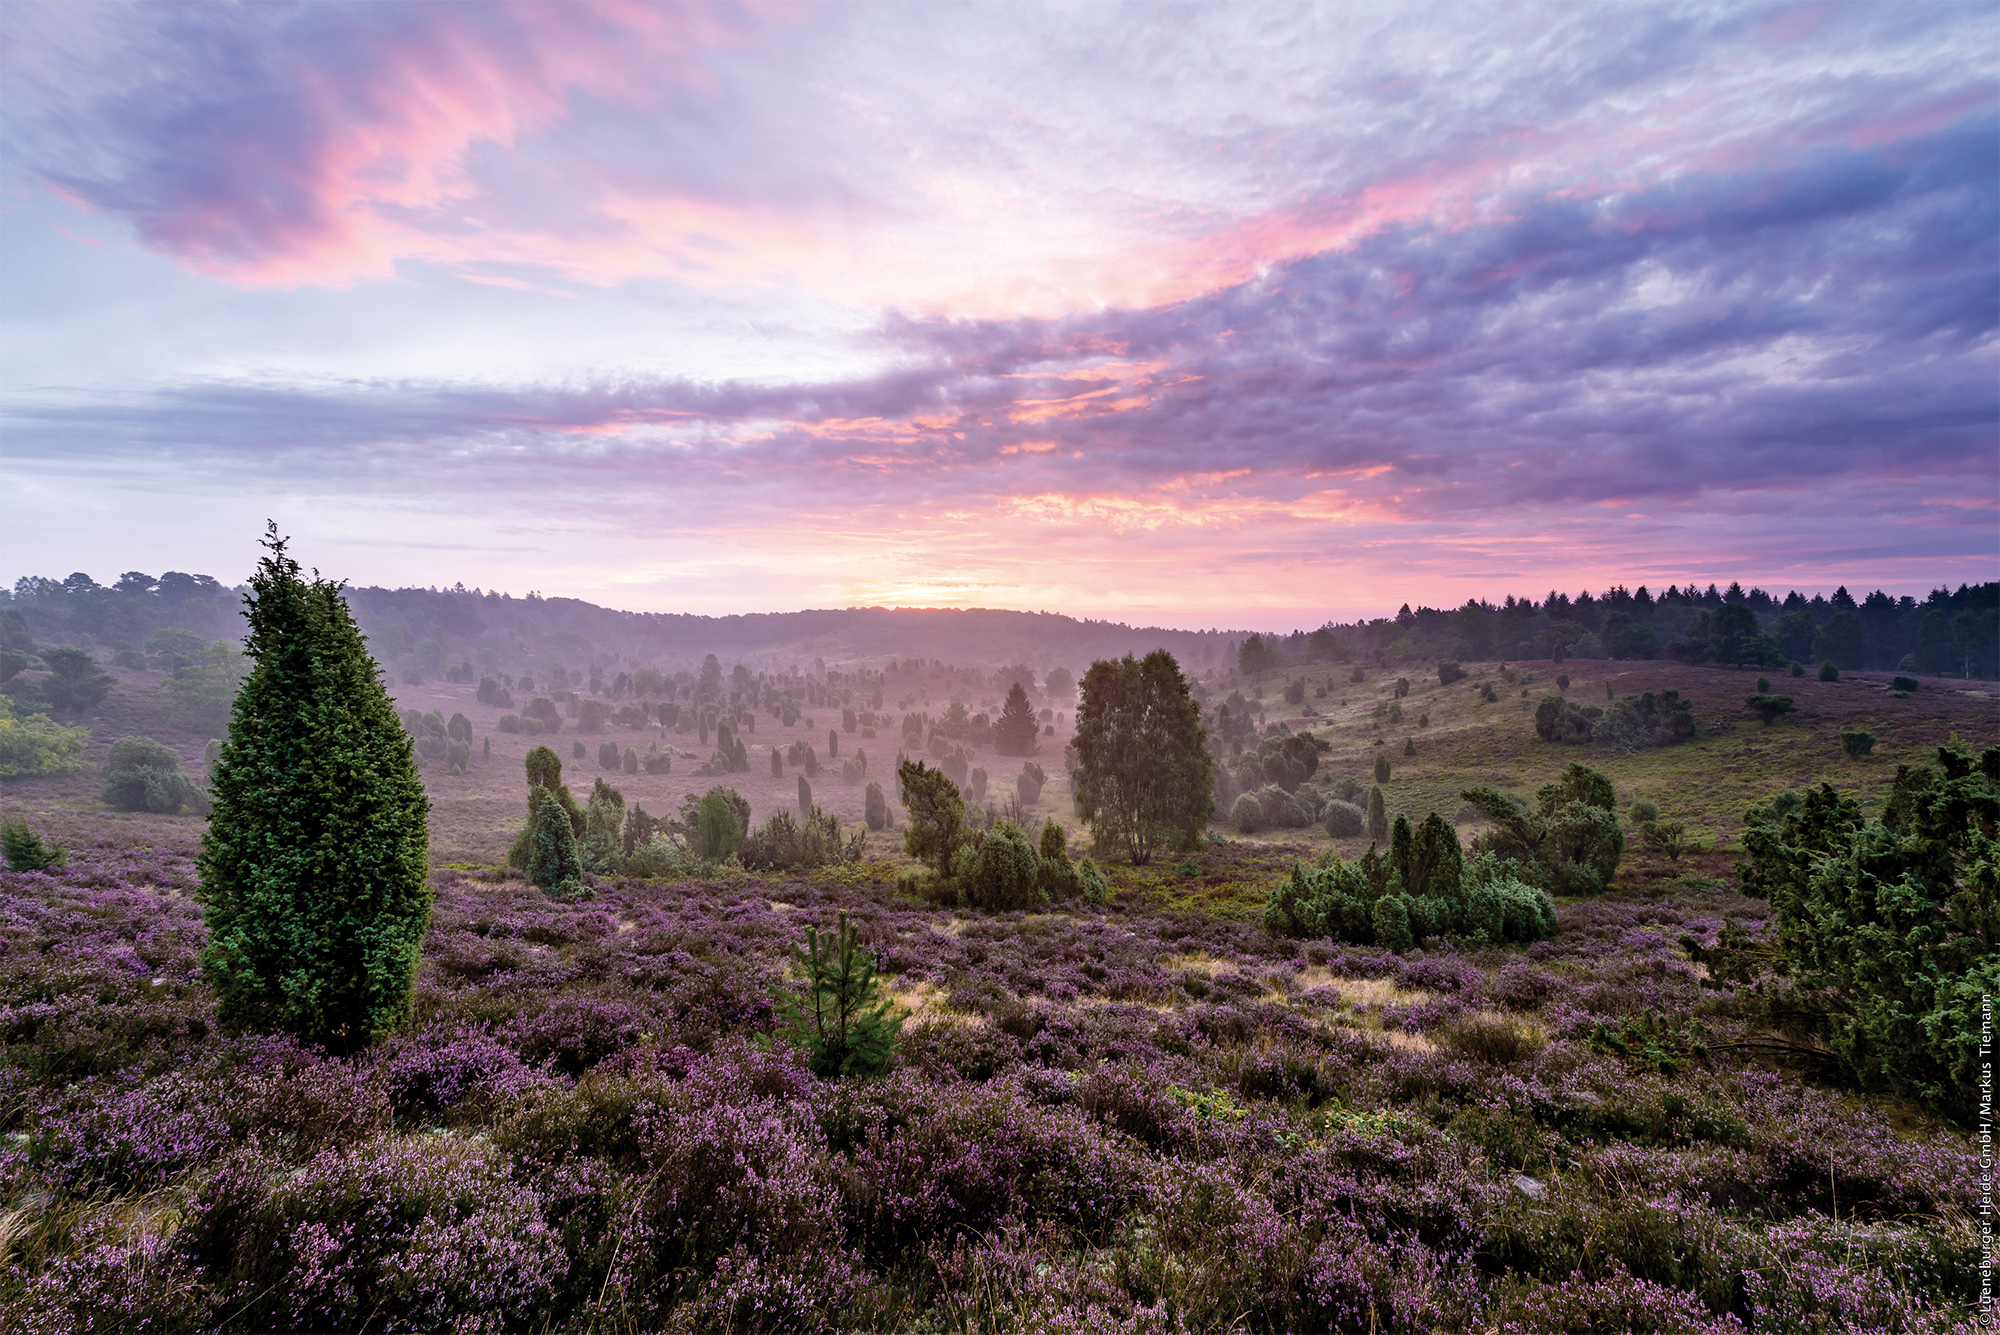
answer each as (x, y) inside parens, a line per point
(313, 865)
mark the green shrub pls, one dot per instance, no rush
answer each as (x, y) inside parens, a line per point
(1409, 746)
(874, 806)
(144, 775)
(1007, 874)
(843, 1022)
(1770, 708)
(719, 823)
(1857, 744)
(1797, 669)
(1378, 816)
(631, 764)
(553, 863)
(1904, 684)
(1382, 769)
(1828, 672)
(1423, 889)
(1344, 820)
(937, 815)
(24, 850)
(35, 745)
(1090, 882)
(1644, 811)
(510, 723)
(314, 866)
(1448, 673)
(661, 856)
(1570, 845)
(1059, 875)
(1890, 927)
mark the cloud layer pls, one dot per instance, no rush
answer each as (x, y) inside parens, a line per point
(1178, 310)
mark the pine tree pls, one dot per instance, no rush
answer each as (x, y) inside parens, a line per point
(1015, 733)
(313, 867)
(843, 1022)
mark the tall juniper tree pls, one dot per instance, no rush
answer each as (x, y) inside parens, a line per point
(313, 865)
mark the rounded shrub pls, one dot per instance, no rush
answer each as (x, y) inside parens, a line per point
(144, 775)
(1344, 820)
(1247, 815)
(1007, 873)
(1828, 672)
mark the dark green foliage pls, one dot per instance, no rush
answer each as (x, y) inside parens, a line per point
(1892, 929)
(875, 807)
(1770, 708)
(1857, 744)
(1423, 889)
(1007, 873)
(788, 844)
(1143, 776)
(24, 850)
(1448, 672)
(313, 868)
(1570, 845)
(805, 796)
(937, 814)
(1904, 684)
(719, 822)
(1402, 687)
(1016, 732)
(544, 770)
(777, 763)
(631, 763)
(1378, 816)
(552, 860)
(1565, 721)
(1060, 879)
(833, 743)
(144, 775)
(602, 847)
(75, 682)
(203, 688)
(1829, 671)
(607, 754)
(1733, 638)
(1381, 768)
(459, 729)
(1344, 820)
(1247, 814)
(1409, 746)
(844, 1024)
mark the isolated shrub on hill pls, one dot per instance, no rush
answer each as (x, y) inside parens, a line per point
(1344, 820)
(1857, 744)
(1448, 672)
(607, 755)
(777, 764)
(1029, 783)
(631, 764)
(1769, 708)
(1143, 776)
(1381, 768)
(805, 795)
(1378, 816)
(1904, 684)
(875, 807)
(842, 1021)
(1007, 873)
(1829, 671)
(141, 774)
(1247, 815)
(459, 729)
(1891, 930)
(1570, 844)
(34, 744)
(1635, 722)
(509, 723)
(314, 864)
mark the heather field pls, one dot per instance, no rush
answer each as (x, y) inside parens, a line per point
(1149, 1115)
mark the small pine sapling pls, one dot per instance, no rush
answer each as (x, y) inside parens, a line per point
(843, 1022)
(24, 850)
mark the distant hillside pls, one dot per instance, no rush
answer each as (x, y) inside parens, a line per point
(422, 631)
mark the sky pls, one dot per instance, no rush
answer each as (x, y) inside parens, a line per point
(1233, 315)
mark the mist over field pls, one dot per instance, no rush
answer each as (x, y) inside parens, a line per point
(999, 668)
